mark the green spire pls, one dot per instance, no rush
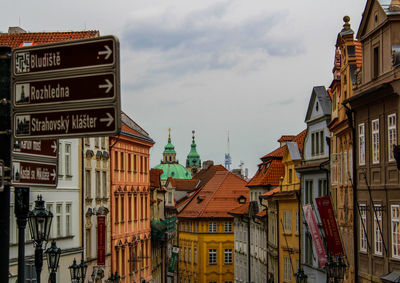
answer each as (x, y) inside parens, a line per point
(193, 158)
(169, 148)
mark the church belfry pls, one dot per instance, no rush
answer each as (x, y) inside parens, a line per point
(193, 162)
(169, 154)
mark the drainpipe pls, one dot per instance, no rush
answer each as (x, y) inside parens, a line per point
(266, 226)
(351, 117)
(83, 197)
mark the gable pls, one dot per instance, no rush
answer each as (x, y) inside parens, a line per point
(374, 15)
(320, 103)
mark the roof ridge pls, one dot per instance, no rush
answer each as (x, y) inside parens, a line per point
(218, 187)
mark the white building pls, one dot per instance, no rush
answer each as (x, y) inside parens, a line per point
(64, 202)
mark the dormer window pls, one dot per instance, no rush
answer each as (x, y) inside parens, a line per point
(376, 62)
(316, 106)
(317, 143)
(26, 43)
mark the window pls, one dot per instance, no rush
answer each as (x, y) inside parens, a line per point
(116, 210)
(88, 242)
(185, 258)
(228, 256)
(129, 208)
(190, 255)
(376, 62)
(96, 142)
(104, 184)
(59, 219)
(212, 227)
(98, 185)
(322, 187)
(212, 256)
(297, 222)
(392, 135)
(363, 228)
(122, 208)
(290, 176)
(228, 227)
(67, 157)
(308, 198)
(195, 255)
(287, 221)
(361, 144)
(60, 159)
(49, 207)
(345, 170)
(308, 255)
(134, 163)
(30, 272)
(88, 184)
(375, 141)
(129, 162)
(103, 142)
(396, 231)
(116, 160)
(377, 230)
(287, 269)
(317, 143)
(68, 219)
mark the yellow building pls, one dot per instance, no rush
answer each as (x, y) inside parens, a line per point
(289, 211)
(206, 238)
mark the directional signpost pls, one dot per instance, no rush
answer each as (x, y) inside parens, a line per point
(67, 89)
(62, 90)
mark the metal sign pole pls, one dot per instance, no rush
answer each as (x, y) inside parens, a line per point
(5, 155)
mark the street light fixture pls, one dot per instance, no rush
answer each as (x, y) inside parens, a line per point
(39, 220)
(335, 269)
(74, 270)
(113, 278)
(53, 258)
(301, 277)
(83, 268)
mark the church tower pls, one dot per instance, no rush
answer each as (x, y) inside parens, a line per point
(193, 162)
(169, 154)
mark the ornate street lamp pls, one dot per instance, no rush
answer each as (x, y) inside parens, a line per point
(301, 277)
(335, 269)
(53, 258)
(113, 278)
(83, 269)
(39, 224)
(74, 270)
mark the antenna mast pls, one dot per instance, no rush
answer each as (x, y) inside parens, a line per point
(228, 159)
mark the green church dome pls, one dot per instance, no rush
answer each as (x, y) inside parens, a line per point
(176, 171)
(193, 158)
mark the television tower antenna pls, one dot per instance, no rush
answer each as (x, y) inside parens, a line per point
(228, 159)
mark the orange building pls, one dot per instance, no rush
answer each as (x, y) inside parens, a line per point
(130, 203)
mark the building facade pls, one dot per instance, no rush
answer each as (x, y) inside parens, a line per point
(96, 195)
(347, 62)
(130, 203)
(206, 235)
(375, 107)
(314, 172)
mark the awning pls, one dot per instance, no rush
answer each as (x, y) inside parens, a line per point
(393, 276)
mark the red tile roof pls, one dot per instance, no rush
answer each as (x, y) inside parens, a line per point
(358, 53)
(276, 153)
(217, 197)
(204, 175)
(300, 140)
(15, 40)
(184, 184)
(240, 210)
(271, 193)
(286, 138)
(268, 173)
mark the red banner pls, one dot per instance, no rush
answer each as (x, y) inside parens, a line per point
(328, 220)
(315, 235)
(101, 240)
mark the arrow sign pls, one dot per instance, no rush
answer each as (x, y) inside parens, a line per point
(108, 86)
(77, 123)
(54, 146)
(109, 119)
(83, 88)
(34, 173)
(107, 52)
(66, 56)
(35, 148)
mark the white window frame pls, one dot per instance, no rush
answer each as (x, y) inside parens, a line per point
(378, 245)
(361, 144)
(363, 223)
(58, 219)
(228, 227)
(228, 256)
(104, 184)
(98, 183)
(212, 227)
(287, 269)
(392, 135)
(287, 221)
(375, 141)
(67, 159)
(195, 255)
(395, 221)
(68, 223)
(212, 256)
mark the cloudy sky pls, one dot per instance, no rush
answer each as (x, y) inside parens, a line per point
(209, 66)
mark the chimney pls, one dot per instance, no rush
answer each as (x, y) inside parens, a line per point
(394, 5)
(13, 30)
(207, 164)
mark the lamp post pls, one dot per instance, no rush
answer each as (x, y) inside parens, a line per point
(335, 269)
(78, 271)
(301, 277)
(53, 258)
(39, 224)
(113, 278)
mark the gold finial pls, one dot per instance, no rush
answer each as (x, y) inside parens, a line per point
(346, 25)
